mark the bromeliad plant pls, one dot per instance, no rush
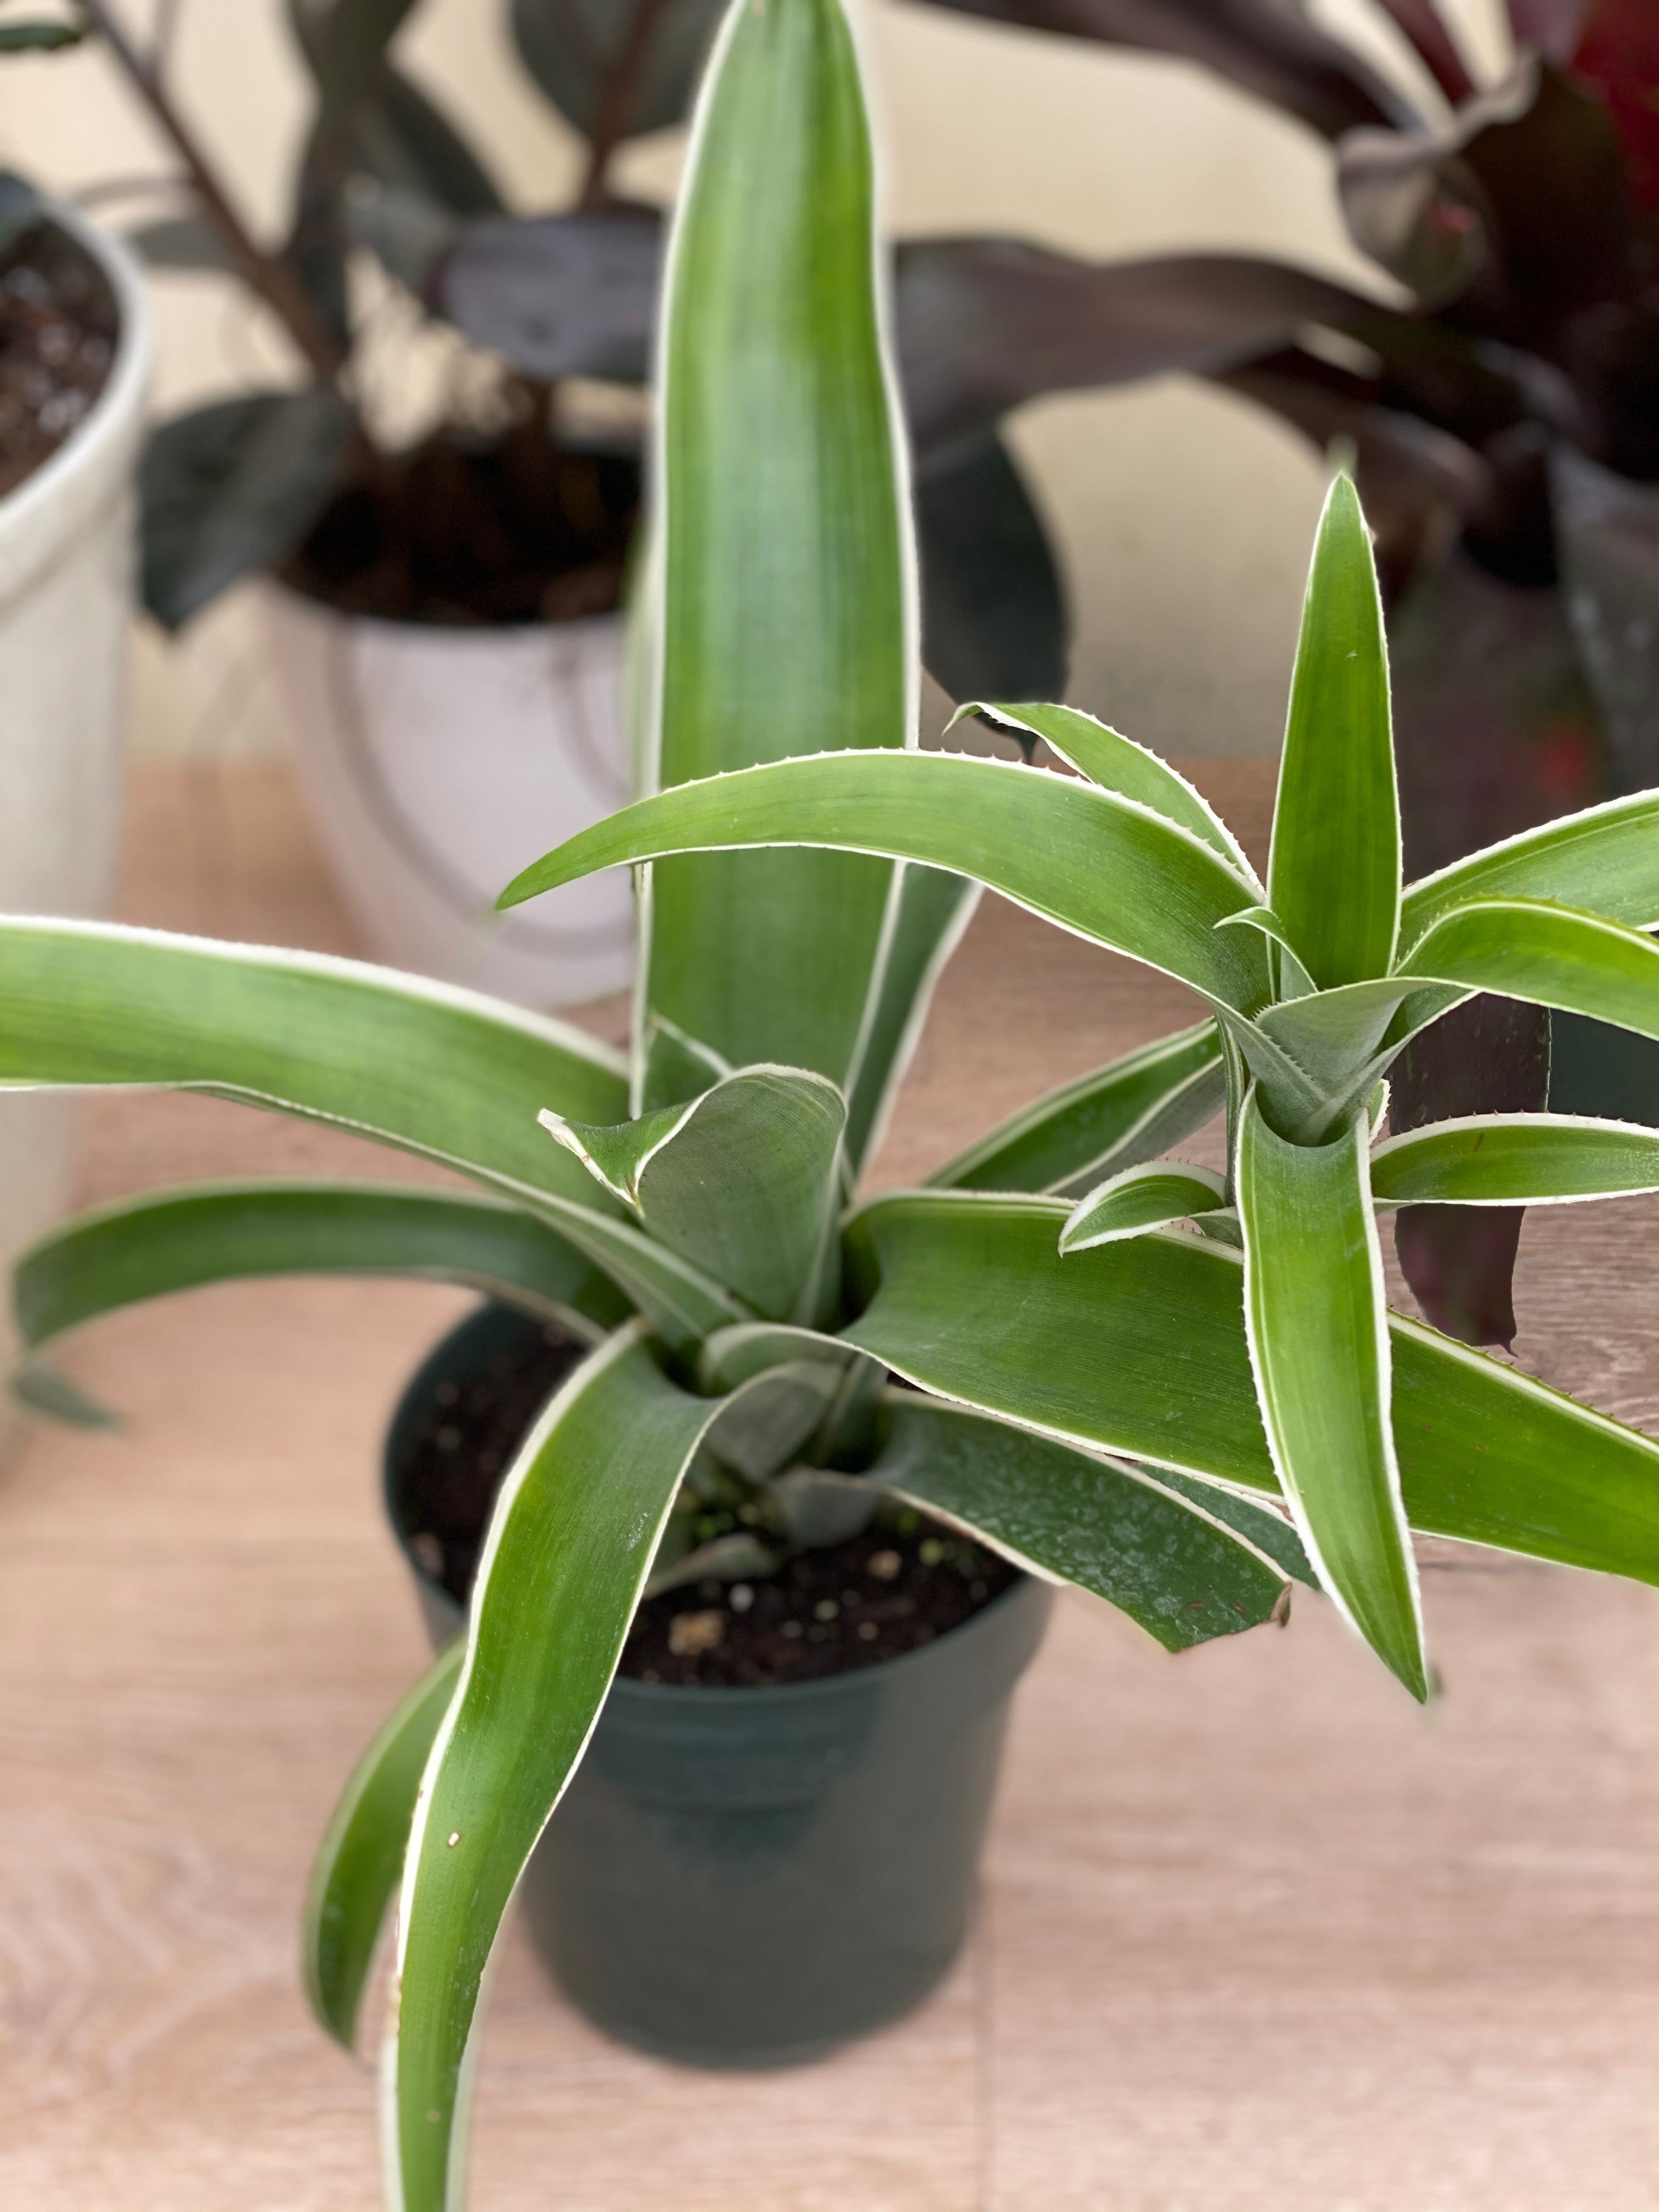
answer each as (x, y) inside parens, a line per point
(1317, 982)
(1126, 1414)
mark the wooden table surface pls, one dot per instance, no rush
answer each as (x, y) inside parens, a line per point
(1255, 1934)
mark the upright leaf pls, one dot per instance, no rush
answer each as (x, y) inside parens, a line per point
(928, 920)
(780, 465)
(1334, 879)
(1315, 1322)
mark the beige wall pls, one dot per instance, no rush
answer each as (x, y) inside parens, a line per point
(1183, 517)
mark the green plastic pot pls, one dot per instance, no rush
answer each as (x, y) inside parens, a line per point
(749, 1877)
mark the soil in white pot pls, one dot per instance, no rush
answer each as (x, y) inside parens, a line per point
(59, 326)
(466, 532)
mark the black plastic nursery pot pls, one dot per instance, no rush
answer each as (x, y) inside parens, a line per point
(748, 1877)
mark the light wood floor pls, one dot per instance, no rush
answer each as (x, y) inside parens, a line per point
(1256, 1935)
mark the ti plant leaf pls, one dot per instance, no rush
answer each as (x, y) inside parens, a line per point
(744, 1180)
(360, 1861)
(233, 487)
(1335, 876)
(1315, 1322)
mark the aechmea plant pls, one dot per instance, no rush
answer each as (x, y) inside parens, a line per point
(1106, 1396)
(1297, 1375)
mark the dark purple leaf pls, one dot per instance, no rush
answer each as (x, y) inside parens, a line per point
(1564, 235)
(560, 296)
(1608, 532)
(1424, 25)
(1494, 731)
(987, 323)
(994, 622)
(1264, 45)
(1491, 1056)
(1408, 200)
(1551, 28)
(615, 68)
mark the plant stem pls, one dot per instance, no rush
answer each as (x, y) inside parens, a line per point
(269, 276)
(610, 124)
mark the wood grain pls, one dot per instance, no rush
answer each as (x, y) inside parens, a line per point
(1256, 1934)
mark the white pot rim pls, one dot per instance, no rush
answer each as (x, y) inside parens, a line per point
(114, 411)
(463, 636)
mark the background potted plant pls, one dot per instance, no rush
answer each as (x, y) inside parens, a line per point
(74, 346)
(444, 608)
(1100, 1391)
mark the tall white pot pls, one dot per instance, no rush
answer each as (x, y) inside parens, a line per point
(437, 764)
(67, 537)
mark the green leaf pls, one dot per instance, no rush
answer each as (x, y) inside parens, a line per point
(444, 1072)
(1105, 867)
(1164, 1560)
(928, 920)
(1132, 1109)
(231, 488)
(406, 142)
(780, 463)
(175, 1240)
(994, 617)
(732, 1355)
(360, 1860)
(1294, 981)
(675, 1068)
(743, 1182)
(39, 38)
(1117, 763)
(183, 241)
(1152, 1195)
(1603, 861)
(1316, 1325)
(1139, 1348)
(433, 1070)
(1549, 955)
(1510, 1160)
(1334, 879)
(570, 1547)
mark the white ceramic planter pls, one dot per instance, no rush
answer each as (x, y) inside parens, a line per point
(66, 562)
(437, 764)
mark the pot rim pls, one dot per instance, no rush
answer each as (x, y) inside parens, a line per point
(699, 1696)
(464, 637)
(119, 401)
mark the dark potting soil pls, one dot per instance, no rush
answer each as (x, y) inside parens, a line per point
(905, 1581)
(467, 534)
(58, 322)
